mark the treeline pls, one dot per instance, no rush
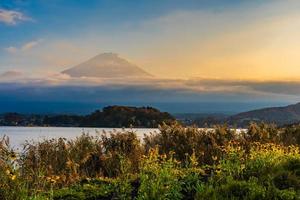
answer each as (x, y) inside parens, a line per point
(111, 116)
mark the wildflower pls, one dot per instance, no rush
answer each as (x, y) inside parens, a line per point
(144, 156)
(13, 156)
(7, 172)
(164, 156)
(215, 158)
(193, 159)
(218, 171)
(243, 166)
(52, 181)
(13, 177)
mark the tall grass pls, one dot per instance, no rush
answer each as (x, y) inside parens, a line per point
(175, 163)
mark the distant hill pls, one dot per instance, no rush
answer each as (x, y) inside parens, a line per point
(107, 65)
(123, 116)
(279, 115)
(110, 116)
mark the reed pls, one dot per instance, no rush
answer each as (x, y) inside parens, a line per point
(175, 163)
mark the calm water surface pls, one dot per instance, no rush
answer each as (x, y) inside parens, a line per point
(18, 135)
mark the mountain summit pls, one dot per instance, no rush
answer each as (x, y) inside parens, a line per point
(106, 65)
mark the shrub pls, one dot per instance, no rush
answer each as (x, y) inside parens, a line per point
(159, 178)
(122, 151)
(205, 144)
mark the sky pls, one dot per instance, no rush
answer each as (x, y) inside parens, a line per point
(233, 50)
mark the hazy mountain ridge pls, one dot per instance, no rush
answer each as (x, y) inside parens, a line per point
(285, 115)
(107, 65)
(279, 115)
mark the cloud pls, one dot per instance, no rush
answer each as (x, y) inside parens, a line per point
(11, 17)
(30, 45)
(194, 88)
(222, 95)
(11, 74)
(25, 47)
(192, 93)
(11, 49)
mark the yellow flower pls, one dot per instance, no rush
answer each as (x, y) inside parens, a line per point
(243, 166)
(164, 156)
(215, 158)
(7, 172)
(13, 177)
(13, 156)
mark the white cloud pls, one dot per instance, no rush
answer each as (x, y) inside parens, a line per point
(11, 17)
(11, 49)
(30, 45)
(25, 47)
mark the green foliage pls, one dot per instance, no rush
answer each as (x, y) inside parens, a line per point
(176, 163)
(159, 178)
(98, 189)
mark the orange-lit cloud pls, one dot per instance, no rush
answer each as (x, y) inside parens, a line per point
(25, 47)
(12, 17)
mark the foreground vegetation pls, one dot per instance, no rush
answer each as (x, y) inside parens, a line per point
(176, 163)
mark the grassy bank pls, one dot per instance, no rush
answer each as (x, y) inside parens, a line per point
(177, 163)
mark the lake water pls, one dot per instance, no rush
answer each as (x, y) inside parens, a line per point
(18, 135)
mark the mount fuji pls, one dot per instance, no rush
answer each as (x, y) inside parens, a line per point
(107, 65)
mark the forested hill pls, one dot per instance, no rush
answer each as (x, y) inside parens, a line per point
(121, 116)
(278, 115)
(111, 116)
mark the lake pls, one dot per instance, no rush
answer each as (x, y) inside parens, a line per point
(18, 135)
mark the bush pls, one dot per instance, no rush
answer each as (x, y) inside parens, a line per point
(159, 178)
(205, 144)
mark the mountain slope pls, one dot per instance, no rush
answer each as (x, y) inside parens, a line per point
(106, 65)
(279, 115)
